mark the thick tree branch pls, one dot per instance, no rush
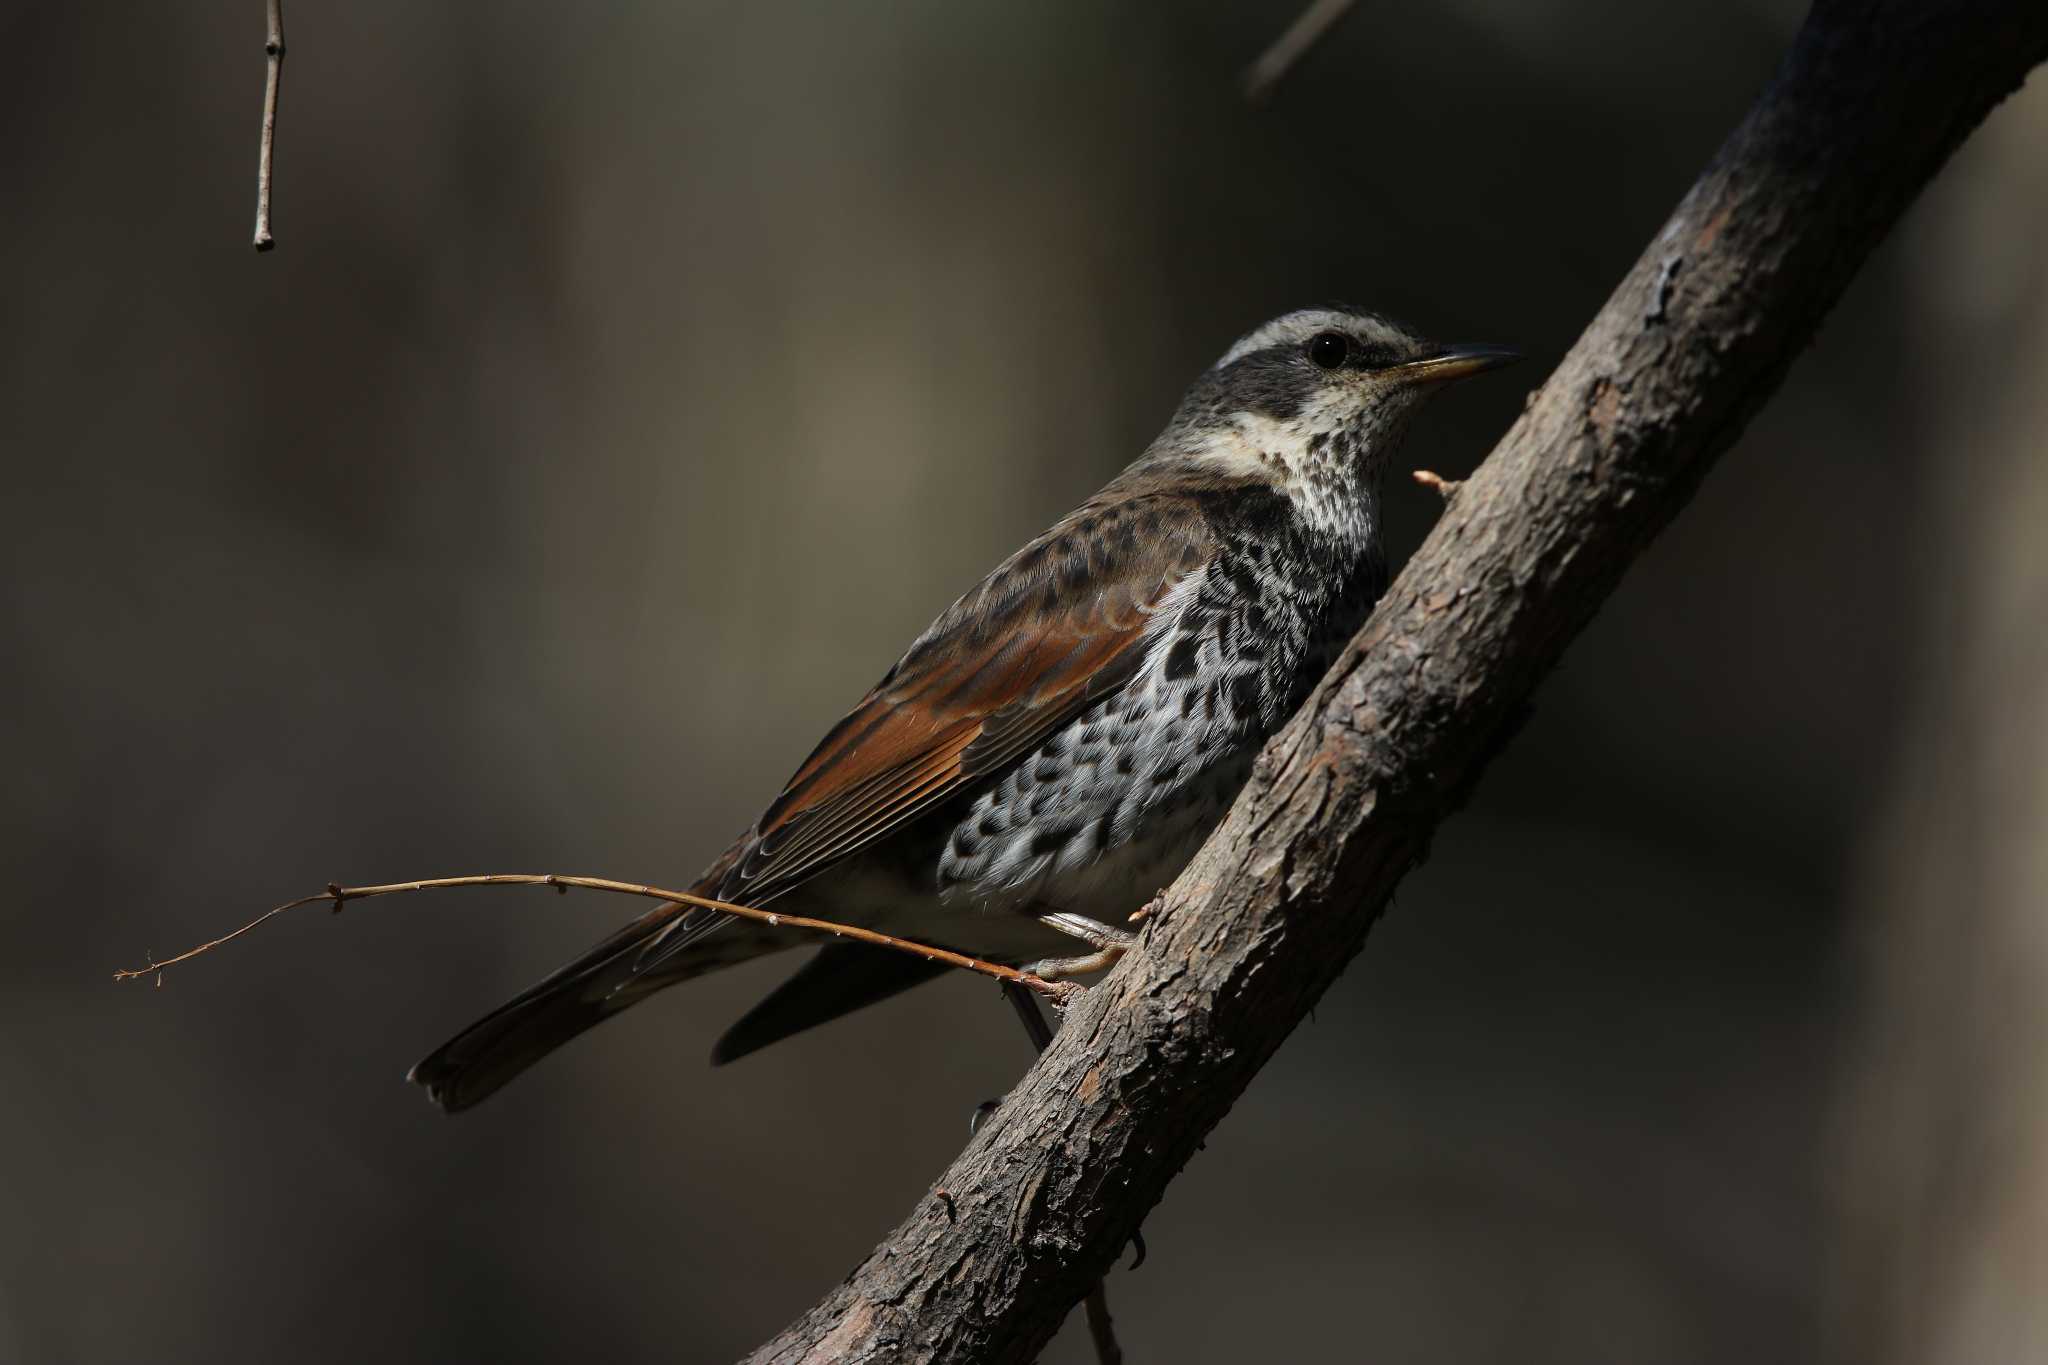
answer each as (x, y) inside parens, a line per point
(1869, 103)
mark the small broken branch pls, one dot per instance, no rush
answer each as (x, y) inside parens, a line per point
(1443, 487)
(273, 50)
(1058, 992)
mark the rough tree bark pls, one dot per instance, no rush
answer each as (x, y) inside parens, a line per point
(1868, 104)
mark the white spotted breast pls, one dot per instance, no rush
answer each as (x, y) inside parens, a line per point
(1111, 807)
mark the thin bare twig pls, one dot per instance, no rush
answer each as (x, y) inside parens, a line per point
(273, 49)
(1059, 992)
(1305, 32)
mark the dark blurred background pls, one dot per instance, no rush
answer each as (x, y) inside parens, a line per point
(632, 382)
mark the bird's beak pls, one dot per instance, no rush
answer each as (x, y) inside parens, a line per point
(1454, 362)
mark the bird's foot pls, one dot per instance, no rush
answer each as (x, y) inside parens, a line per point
(1054, 971)
(1109, 943)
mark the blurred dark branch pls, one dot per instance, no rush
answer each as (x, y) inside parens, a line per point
(1290, 47)
(337, 896)
(1871, 100)
(1101, 1330)
(273, 48)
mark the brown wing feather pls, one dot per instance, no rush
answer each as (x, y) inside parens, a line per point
(1055, 629)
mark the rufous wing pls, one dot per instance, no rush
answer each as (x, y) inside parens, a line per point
(1058, 627)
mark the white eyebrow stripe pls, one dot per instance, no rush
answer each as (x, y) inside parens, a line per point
(1300, 326)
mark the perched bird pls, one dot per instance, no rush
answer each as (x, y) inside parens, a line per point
(1051, 752)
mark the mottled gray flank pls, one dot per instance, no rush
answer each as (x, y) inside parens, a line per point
(1868, 105)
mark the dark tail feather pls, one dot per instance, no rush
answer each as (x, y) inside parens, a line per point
(614, 975)
(841, 978)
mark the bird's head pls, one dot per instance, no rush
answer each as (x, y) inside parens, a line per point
(1316, 399)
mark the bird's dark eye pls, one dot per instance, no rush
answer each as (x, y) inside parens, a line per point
(1329, 350)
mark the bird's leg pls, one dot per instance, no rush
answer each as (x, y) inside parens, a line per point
(1028, 1014)
(1026, 1004)
(1109, 943)
(1035, 1028)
